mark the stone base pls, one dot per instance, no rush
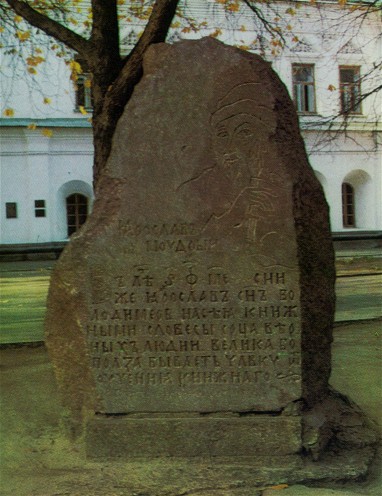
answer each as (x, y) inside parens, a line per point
(192, 436)
(333, 442)
(232, 476)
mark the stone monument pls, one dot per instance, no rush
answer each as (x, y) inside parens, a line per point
(192, 315)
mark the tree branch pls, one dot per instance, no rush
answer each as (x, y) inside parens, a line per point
(156, 28)
(49, 26)
(266, 23)
(131, 72)
(155, 32)
(105, 30)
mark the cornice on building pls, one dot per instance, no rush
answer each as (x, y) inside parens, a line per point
(45, 123)
(319, 123)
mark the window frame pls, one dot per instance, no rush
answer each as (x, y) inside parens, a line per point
(74, 217)
(356, 84)
(296, 84)
(11, 210)
(40, 210)
(83, 93)
(348, 207)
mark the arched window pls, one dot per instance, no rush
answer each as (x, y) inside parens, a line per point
(348, 205)
(76, 212)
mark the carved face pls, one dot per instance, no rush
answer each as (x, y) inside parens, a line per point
(236, 146)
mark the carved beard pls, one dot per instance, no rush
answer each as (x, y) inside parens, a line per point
(237, 167)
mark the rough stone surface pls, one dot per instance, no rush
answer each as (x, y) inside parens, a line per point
(203, 282)
(170, 437)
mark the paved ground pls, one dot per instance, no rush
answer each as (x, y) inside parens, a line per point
(25, 286)
(38, 460)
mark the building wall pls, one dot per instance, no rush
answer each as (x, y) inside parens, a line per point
(35, 166)
(348, 162)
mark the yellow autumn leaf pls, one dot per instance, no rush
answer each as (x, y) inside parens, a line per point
(32, 126)
(23, 35)
(279, 487)
(47, 132)
(88, 83)
(9, 112)
(34, 60)
(216, 33)
(342, 2)
(31, 70)
(276, 43)
(331, 87)
(47, 101)
(82, 110)
(1, 29)
(75, 66)
(17, 19)
(234, 7)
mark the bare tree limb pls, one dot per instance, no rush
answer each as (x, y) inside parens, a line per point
(267, 24)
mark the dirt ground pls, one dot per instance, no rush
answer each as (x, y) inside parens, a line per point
(38, 460)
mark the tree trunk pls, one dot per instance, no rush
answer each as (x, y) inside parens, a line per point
(113, 79)
(109, 107)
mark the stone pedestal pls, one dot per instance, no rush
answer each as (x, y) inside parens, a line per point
(145, 436)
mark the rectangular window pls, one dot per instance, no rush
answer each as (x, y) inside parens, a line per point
(11, 210)
(83, 86)
(350, 90)
(39, 208)
(303, 88)
(348, 206)
(84, 92)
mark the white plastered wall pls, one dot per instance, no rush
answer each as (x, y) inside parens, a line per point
(35, 167)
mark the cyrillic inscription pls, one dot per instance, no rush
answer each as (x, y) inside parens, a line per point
(188, 326)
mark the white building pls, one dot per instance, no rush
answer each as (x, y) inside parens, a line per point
(327, 62)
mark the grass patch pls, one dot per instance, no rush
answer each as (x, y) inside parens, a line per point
(22, 307)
